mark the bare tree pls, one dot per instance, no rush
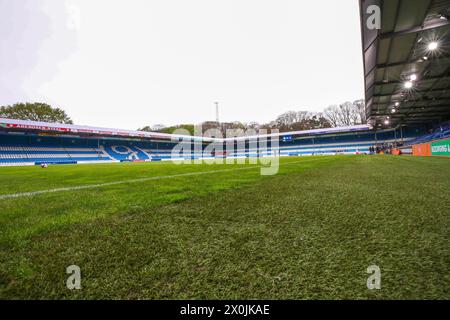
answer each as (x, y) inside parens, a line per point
(253, 125)
(360, 107)
(346, 114)
(304, 115)
(286, 119)
(331, 113)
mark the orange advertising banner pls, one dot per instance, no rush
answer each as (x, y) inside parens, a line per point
(423, 149)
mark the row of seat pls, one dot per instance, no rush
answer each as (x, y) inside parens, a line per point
(440, 133)
(19, 153)
(50, 160)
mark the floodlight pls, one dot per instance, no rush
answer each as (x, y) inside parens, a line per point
(432, 46)
(413, 77)
(408, 84)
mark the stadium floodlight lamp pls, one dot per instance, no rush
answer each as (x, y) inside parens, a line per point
(397, 104)
(413, 77)
(386, 122)
(408, 84)
(425, 58)
(433, 45)
(393, 110)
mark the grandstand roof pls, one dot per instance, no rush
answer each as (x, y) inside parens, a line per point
(70, 128)
(322, 131)
(401, 49)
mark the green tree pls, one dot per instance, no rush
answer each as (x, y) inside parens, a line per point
(188, 127)
(35, 112)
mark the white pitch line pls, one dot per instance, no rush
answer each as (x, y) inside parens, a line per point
(107, 184)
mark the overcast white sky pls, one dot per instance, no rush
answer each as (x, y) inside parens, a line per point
(130, 63)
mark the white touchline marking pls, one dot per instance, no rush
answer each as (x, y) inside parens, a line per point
(107, 184)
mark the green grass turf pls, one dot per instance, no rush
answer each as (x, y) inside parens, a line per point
(309, 232)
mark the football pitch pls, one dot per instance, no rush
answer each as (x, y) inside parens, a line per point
(214, 231)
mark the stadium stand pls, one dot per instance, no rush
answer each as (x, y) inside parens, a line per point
(440, 133)
(15, 149)
(125, 152)
(29, 143)
(346, 142)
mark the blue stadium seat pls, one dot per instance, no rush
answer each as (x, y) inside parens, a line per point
(35, 149)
